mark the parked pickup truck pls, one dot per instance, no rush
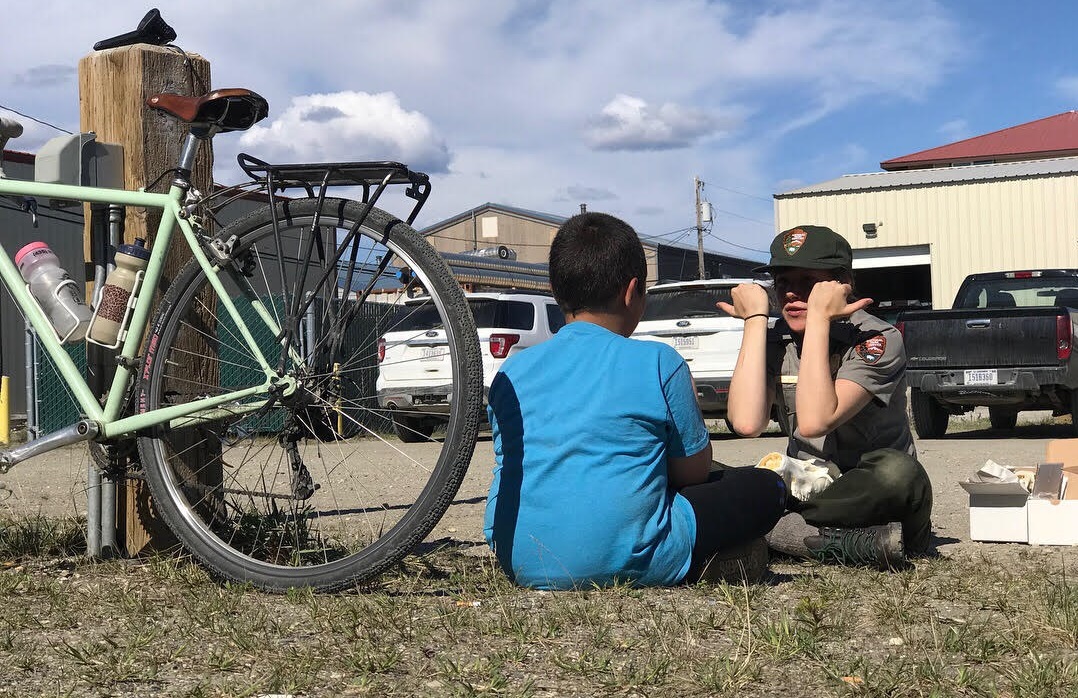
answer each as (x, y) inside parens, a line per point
(1006, 344)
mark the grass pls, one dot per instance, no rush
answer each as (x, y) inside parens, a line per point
(450, 624)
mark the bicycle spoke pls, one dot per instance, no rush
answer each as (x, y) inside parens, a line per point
(300, 484)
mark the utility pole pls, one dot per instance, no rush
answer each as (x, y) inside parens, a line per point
(699, 226)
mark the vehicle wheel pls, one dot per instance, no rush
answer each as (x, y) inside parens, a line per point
(1002, 419)
(929, 417)
(412, 430)
(269, 487)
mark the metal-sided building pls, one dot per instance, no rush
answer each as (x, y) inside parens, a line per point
(528, 234)
(1002, 201)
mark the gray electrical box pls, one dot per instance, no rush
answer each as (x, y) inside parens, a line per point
(79, 159)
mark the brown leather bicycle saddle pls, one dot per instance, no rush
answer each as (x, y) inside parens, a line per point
(233, 109)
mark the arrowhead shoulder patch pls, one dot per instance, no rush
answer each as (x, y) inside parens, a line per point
(872, 349)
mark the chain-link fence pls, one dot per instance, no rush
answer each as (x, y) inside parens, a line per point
(53, 406)
(238, 368)
(50, 403)
(358, 391)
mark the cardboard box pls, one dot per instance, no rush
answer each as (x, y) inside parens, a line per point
(998, 511)
(1055, 521)
(1005, 512)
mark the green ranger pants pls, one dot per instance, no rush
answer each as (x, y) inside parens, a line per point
(885, 486)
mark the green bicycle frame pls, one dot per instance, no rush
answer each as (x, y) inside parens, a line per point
(172, 215)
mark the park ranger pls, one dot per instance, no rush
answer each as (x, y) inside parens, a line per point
(839, 374)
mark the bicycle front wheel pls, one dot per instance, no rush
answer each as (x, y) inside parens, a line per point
(305, 481)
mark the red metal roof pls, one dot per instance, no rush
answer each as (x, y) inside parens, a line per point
(19, 157)
(1053, 136)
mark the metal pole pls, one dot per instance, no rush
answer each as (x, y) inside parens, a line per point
(699, 227)
(309, 321)
(96, 369)
(32, 430)
(93, 510)
(108, 517)
(109, 481)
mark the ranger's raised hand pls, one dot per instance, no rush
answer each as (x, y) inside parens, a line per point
(749, 299)
(829, 300)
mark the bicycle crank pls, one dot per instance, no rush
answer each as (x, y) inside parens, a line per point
(80, 431)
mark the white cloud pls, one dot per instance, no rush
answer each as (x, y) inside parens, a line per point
(584, 194)
(834, 53)
(1068, 87)
(346, 126)
(955, 130)
(629, 123)
(40, 76)
(532, 102)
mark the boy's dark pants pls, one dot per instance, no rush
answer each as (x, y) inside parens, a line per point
(886, 485)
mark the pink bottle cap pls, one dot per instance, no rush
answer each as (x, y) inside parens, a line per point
(27, 249)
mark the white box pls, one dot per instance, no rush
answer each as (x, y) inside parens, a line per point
(1053, 522)
(1004, 512)
(998, 511)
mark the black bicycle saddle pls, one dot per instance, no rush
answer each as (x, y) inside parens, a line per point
(151, 30)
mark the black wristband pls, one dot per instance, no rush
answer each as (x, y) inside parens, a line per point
(756, 315)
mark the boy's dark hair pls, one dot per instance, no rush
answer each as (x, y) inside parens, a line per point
(592, 258)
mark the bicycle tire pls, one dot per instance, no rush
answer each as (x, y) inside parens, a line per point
(219, 485)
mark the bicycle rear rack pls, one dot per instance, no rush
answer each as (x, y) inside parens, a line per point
(315, 178)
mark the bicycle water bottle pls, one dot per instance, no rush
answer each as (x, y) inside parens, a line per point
(116, 292)
(57, 293)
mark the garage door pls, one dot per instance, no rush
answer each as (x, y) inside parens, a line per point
(897, 278)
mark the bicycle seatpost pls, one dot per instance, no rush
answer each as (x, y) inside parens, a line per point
(187, 159)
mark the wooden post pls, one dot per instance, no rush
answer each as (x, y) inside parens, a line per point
(113, 87)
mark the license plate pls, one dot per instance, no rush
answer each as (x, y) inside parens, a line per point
(983, 376)
(432, 354)
(687, 342)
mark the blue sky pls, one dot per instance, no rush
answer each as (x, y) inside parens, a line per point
(547, 104)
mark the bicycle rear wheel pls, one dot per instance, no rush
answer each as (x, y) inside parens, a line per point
(306, 485)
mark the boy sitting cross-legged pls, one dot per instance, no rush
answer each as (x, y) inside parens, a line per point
(602, 471)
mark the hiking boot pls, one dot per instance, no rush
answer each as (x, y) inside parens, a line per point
(874, 546)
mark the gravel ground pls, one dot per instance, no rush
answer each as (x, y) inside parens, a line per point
(54, 484)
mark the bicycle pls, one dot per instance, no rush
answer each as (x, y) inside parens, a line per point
(247, 390)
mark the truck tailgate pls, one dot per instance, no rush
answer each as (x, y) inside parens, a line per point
(998, 337)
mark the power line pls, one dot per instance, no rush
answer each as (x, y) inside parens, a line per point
(734, 244)
(27, 116)
(680, 231)
(735, 191)
(745, 218)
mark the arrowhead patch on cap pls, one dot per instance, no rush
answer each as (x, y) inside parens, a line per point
(793, 240)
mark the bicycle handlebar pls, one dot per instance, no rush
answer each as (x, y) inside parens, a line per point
(9, 128)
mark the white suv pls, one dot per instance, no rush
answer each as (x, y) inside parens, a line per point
(414, 375)
(683, 315)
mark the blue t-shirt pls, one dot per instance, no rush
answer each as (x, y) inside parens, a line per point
(583, 425)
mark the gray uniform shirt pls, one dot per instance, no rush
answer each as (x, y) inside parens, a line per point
(867, 351)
